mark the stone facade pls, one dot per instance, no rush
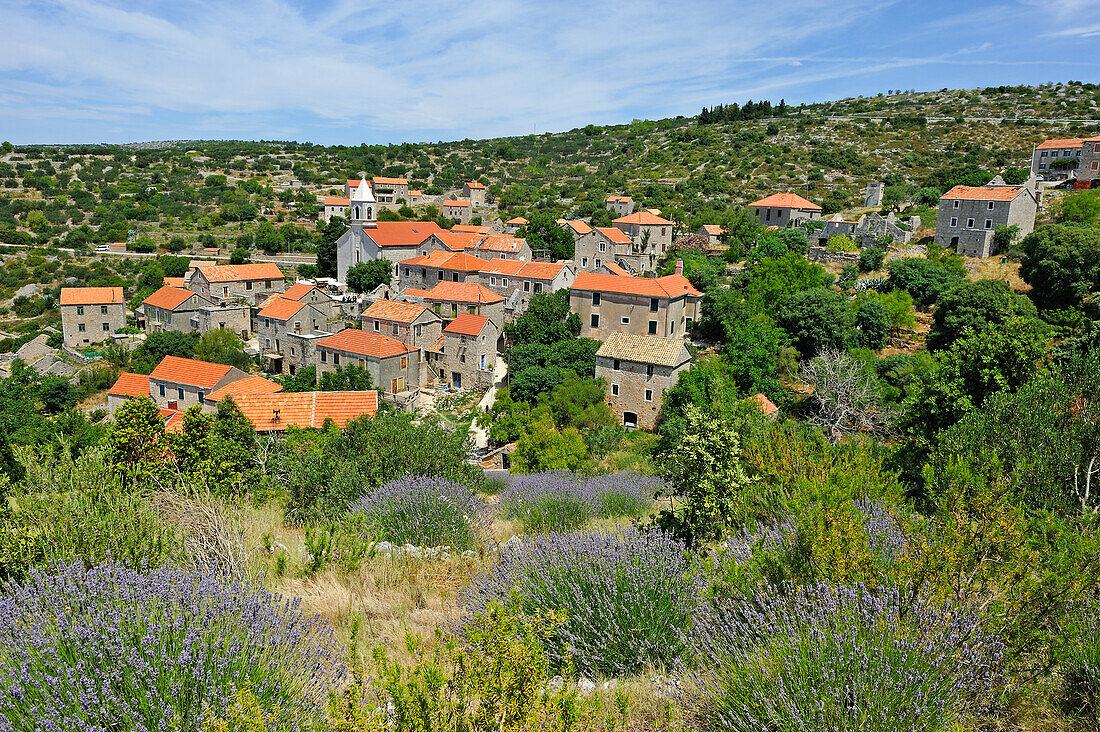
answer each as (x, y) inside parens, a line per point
(283, 329)
(89, 315)
(457, 211)
(172, 308)
(869, 230)
(519, 281)
(234, 317)
(651, 234)
(180, 383)
(332, 207)
(393, 366)
(663, 306)
(1057, 159)
(249, 283)
(638, 371)
(392, 240)
(475, 192)
(780, 209)
(412, 324)
(390, 190)
(467, 353)
(601, 246)
(1089, 168)
(620, 205)
(969, 215)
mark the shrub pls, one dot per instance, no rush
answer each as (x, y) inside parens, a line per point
(558, 500)
(424, 511)
(627, 597)
(112, 647)
(1080, 656)
(828, 657)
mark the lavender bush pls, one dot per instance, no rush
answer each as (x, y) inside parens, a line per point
(115, 648)
(424, 511)
(885, 539)
(627, 597)
(1081, 663)
(827, 657)
(558, 500)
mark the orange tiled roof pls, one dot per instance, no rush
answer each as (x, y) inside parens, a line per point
(615, 269)
(713, 229)
(503, 266)
(402, 233)
(415, 193)
(169, 297)
(467, 324)
(615, 236)
(519, 268)
(518, 221)
(242, 272)
(402, 312)
(579, 226)
(786, 200)
(501, 243)
(467, 292)
(642, 218)
(471, 229)
(983, 193)
(458, 240)
(353, 183)
(668, 286)
(276, 412)
(91, 295)
(474, 184)
(248, 385)
(180, 282)
(281, 308)
(1068, 142)
(461, 204)
(619, 199)
(458, 261)
(380, 181)
(131, 385)
(297, 291)
(363, 343)
(333, 201)
(202, 374)
(765, 404)
(173, 419)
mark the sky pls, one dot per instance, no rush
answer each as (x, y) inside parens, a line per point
(355, 71)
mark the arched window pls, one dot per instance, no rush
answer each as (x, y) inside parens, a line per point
(356, 215)
(369, 217)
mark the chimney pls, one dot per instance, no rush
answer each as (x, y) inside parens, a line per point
(174, 406)
(680, 267)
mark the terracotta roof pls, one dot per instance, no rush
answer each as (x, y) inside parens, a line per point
(333, 201)
(402, 233)
(1069, 142)
(131, 385)
(519, 221)
(173, 419)
(240, 272)
(91, 295)
(170, 298)
(471, 229)
(468, 292)
(202, 374)
(467, 324)
(456, 203)
(615, 236)
(456, 241)
(668, 286)
(280, 308)
(579, 226)
(305, 408)
(786, 200)
(474, 184)
(983, 193)
(413, 192)
(765, 404)
(615, 269)
(713, 229)
(298, 290)
(363, 343)
(353, 183)
(379, 180)
(519, 268)
(402, 312)
(458, 261)
(248, 385)
(619, 199)
(643, 349)
(642, 218)
(180, 282)
(501, 243)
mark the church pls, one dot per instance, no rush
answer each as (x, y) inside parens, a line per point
(367, 239)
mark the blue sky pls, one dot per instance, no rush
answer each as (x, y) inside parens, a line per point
(355, 71)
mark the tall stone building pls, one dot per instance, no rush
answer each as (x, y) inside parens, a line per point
(639, 369)
(89, 315)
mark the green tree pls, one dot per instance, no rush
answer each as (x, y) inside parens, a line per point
(240, 255)
(774, 280)
(137, 442)
(365, 276)
(156, 346)
(1004, 237)
(873, 323)
(544, 234)
(1062, 265)
(816, 319)
(973, 305)
(1080, 208)
(222, 345)
(547, 320)
(871, 259)
(924, 279)
(708, 386)
(269, 239)
(174, 266)
(328, 234)
(144, 244)
(580, 403)
(543, 447)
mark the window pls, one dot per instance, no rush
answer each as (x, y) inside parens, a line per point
(625, 320)
(454, 277)
(989, 223)
(324, 356)
(377, 327)
(595, 299)
(102, 309)
(649, 371)
(248, 285)
(406, 272)
(527, 285)
(404, 362)
(503, 281)
(954, 221)
(991, 205)
(603, 247)
(162, 391)
(106, 327)
(584, 261)
(653, 327)
(768, 214)
(79, 309)
(395, 328)
(616, 364)
(202, 398)
(1042, 166)
(179, 393)
(492, 280)
(649, 395)
(1043, 154)
(538, 287)
(653, 303)
(336, 359)
(955, 203)
(80, 327)
(595, 321)
(462, 357)
(970, 223)
(614, 390)
(439, 275)
(599, 262)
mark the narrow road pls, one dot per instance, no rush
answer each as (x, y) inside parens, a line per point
(481, 435)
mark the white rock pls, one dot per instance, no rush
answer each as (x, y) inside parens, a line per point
(556, 684)
(470, 554)
(586, 685)
(384, 547)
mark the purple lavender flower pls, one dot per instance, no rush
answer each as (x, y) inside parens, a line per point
(826, 657)
(627, 597)
(885, 539)
(112, 647)
(559, 500)
(424, 511)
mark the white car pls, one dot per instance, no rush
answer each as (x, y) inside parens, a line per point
(103, 248)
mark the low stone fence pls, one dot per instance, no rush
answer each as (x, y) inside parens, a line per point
(821, 254)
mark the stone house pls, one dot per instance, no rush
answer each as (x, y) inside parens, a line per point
(480, 229)
(367, 240)
(179, 383)
(457, 210)
(449, 299)
(250, 283)
(620, 205)
(612, 245)
(89, 315)
(1088, 171)
(236, 317)
(393, 366)
(575, 227)
(1056, 159)
(390, 190)
(127, 386)
(310, 293)
(465, 356)
(285, 330)
(519, 281)
(872, 196)
(969, 215)
(511, 226)
(332, 206)
(502, 246)
(660, 306)
(426, 271)
(475, 192)
(350, 186)
(415, 197)
(172, 308)
(713, 233)
(780, 209)
(868, 230)
(652, 235)
(639, 369)
(413, 324)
